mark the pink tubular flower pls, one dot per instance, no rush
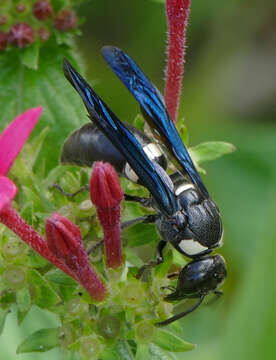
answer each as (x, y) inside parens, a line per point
(12, 140)
(64, 239)
(177, 15)
(106, 194)
(65, 249)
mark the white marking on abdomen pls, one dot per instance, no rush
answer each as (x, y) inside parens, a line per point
(191, 247)
(153, 151)
(182, 188)
(130, 174)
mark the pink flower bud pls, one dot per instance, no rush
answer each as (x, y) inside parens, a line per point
(21, 35)
(106, 194)
(42, 9)
(65, 20)
(63, 236)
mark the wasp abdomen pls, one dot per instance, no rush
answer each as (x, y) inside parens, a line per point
(88, 144)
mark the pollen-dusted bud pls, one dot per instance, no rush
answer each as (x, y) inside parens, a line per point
(20, 8)
(21, 35)
(3, 40)
(63, 236)
(65, 20)
(42, 9)
(106, 194)
(43, 33)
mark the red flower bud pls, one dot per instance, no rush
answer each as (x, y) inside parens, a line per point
(105, 188)
(21, 35)
(3, 40)
(20, 8)
(106, 194)
(65, 20)
(64, 240)
(63, 236)
(43, 33)
(42, 9)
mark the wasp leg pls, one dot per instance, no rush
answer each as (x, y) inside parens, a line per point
(153, 263)
(147, 219)
(173, 275)
(180, 315)
(218, 294)
(146, 202)
(67, 194)
(95, 247)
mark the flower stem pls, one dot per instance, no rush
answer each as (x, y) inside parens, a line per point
(10, 217)
(177, 12)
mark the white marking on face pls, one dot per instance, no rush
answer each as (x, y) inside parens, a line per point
(191, 247)
(152, 151)
(130, 174)
(182, 188)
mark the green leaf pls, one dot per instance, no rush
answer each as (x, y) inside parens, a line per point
(162, 269)
(3, 316)
(30, 56)
(124, 350)
(142, 352)
(59, 277)
(45, 296)
(141, 234)
(56, 173)
(36, 146)
(183, 132)
(210, 150)
(40, 341)
(23, 299)
(139, 122)
(159, 354)
(170, 342)
(22, 88)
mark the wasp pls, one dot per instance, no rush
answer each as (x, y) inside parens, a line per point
(186, 216)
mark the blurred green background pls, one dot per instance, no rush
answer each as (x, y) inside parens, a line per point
(228, 94)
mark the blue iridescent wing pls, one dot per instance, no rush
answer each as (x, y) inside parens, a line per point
(125, 142)
(153, 106)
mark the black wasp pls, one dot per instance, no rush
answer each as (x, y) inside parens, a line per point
(185, 216)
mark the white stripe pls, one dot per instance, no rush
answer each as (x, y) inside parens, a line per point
(152, 150)
(130, 174)
(182, 188)
(191, 247)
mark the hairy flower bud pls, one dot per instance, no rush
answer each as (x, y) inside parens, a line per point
(65, 20)
(21, 35)
(63, 236)
(42, 9)
(3, 40)
(106, 194)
